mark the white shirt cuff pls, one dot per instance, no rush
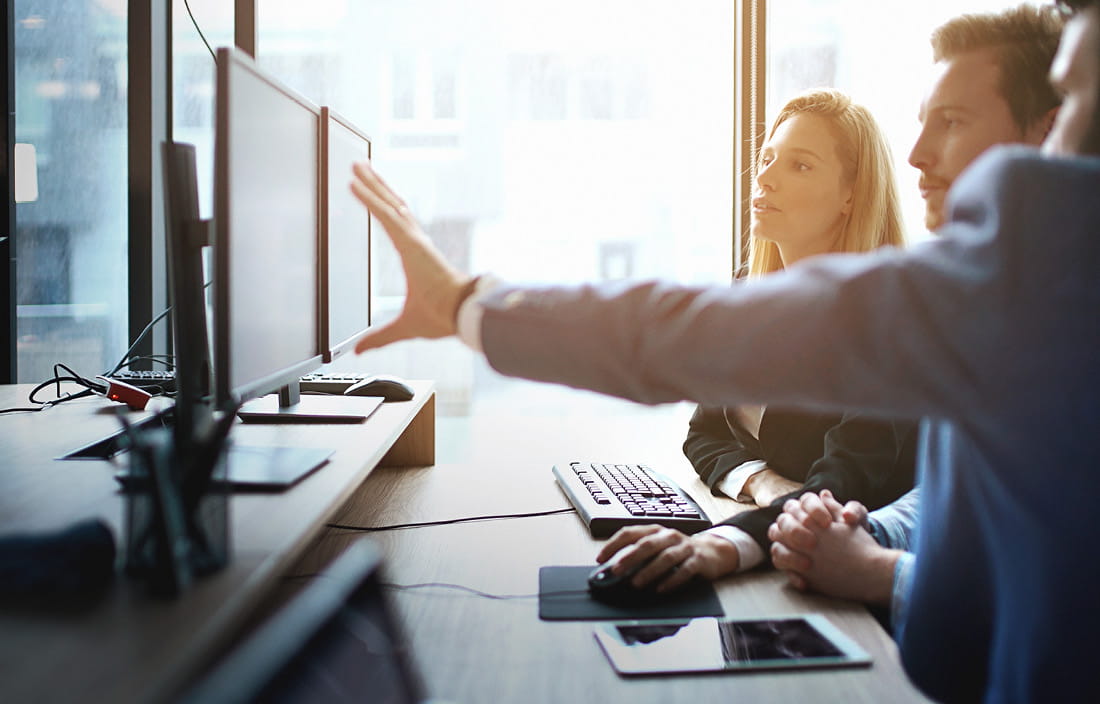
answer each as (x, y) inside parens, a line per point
(749, 551)
(470, 312)
(733, 484)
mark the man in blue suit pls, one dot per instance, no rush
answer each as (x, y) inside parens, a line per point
(991, 331)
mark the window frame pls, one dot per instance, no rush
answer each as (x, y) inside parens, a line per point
(8, 358)
(149, 124)
(749, 124)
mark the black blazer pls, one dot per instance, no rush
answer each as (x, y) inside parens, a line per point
(854, 456)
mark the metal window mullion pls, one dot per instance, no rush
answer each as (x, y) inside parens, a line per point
(749, 99)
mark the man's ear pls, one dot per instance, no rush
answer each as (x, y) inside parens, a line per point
(1039, 131)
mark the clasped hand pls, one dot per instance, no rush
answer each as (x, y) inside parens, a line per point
(824, 546)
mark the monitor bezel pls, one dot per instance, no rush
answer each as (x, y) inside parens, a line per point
(230, 60)
(330, 349)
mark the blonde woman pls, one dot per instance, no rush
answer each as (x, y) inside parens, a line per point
(824, 183)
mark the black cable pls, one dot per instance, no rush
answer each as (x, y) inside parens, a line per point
(197, 29)
(90, 387)
(36, 409)
(126, 355)
(448, 585)
(155, 357)
(168, 360)
(477, 592)
(450, 521)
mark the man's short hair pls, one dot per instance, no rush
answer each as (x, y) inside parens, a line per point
(1024, 39)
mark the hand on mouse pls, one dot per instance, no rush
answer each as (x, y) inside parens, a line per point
(671, 558)
(435, 288)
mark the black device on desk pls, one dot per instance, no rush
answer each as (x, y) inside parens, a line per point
(611, 496)
(337, 641)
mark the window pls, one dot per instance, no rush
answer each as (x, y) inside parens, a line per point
(566, 142)
(71, 231)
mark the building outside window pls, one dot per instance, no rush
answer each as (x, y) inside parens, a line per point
(71, 227)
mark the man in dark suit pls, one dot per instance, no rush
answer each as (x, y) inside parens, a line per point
(970, 106)
(990, 331)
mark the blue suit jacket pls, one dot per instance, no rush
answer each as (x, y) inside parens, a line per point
(992, 331)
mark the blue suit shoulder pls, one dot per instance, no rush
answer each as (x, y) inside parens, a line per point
(1018, 175)
(1015, 190)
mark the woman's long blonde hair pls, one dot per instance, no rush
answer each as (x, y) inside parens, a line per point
(875, 219)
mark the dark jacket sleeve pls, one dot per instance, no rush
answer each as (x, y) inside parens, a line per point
(713, 449)
(864, 459)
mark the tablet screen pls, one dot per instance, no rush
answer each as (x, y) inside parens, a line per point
(708, 644)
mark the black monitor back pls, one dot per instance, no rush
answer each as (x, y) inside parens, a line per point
(337, 641)
(187, 235)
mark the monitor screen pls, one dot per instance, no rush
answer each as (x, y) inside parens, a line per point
(345, 238)
(266, 157)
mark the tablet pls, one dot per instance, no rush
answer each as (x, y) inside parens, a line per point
(717, 645)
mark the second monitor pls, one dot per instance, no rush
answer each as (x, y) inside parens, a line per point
(345, 238)
(268, 293)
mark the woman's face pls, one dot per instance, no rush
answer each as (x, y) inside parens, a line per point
(801, 196)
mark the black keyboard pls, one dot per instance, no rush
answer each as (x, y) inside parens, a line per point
(153, 381)
(610, 496)
(165, 381)
(333, 383)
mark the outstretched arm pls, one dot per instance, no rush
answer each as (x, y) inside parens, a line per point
(876, 331)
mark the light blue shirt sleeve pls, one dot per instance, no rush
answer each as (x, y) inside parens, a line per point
(899, 599)
(895, 524)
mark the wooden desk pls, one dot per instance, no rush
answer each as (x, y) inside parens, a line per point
(475, 649)
(130, 647)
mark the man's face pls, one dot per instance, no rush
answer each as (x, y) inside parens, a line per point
(1076, 74)
(962, 115)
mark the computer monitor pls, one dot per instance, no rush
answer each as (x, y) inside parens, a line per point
(267, 258)
(187, 234)
(345, 238)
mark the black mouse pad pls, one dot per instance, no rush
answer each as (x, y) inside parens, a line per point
(563, 596)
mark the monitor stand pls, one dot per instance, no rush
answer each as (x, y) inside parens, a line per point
(290, 406)
(256, 468)
(248, 467)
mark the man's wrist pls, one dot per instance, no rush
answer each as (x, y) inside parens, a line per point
(880, 589)
(465, 292)
(725, 552)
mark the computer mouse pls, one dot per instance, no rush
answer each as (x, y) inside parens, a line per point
(390, 388)
(617, 589)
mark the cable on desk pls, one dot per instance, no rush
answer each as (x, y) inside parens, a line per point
(90, 387)
(448, 585)
(477, 592)
(450, 521)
